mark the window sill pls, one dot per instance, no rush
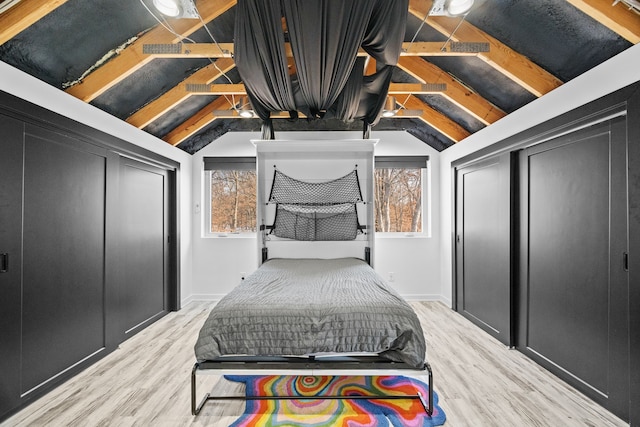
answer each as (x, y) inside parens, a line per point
(402, 236)
(230, 236)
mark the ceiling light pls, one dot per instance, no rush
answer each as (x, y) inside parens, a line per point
(450, 7)
(168, 7)
(177, 8)
(458, 7)
(389, 109)
(244, 108)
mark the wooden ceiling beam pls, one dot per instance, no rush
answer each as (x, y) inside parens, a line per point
(194, 88)
(617, 18)
(416, 108)
(369, 66)
(501, 57)
(285, 114)
(189, 50)
(437, 120)
(426, 88)
(456, 92)
(177, 94)
(468, 48)
(226, 50)
(200, 86)
(196, 122)
(24, 14)
(132, 57)
(216, 89)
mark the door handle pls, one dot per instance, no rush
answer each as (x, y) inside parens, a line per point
(4, 263)
(625, 261)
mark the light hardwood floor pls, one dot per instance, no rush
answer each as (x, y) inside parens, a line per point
(147, 382)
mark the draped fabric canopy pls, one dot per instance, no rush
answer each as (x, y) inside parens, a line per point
(326, 77)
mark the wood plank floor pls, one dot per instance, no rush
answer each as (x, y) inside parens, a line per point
(147, 382)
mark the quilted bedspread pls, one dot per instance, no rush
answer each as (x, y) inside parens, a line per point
(296, 307)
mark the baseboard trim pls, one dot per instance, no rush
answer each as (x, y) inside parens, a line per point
(205, 297)
(421, 297)
(186, 301)
(446, 300)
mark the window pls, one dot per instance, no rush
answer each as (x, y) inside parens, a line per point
(399, 194)
(231, 198)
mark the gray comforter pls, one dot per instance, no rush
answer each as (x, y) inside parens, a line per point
(310, 306)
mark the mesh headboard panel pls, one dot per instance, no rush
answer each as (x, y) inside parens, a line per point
(313, 222)
(291, 191)
(316, 210)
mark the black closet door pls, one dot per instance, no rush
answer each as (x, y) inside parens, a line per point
(143, 262)
(10, 260)
(63, 261)
(483, 243)
(574, 297)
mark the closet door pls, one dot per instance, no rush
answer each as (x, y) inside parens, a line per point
(10, 260)
(143, 249)
(483, 243)
(574, 288)
(63, 255)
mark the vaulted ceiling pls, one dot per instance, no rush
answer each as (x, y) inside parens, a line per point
(176, 78)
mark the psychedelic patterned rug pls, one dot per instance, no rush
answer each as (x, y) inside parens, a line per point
(341, 412)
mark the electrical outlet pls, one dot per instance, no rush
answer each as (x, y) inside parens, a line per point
(392, 276)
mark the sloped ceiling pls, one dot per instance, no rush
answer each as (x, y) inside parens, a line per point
(176, 78)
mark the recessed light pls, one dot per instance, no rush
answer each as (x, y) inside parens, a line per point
(168, 7)
(458, 7)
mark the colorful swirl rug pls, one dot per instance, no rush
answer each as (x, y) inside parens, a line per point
(341, 412)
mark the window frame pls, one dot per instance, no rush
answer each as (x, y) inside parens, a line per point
(224, 163)
(410, 162)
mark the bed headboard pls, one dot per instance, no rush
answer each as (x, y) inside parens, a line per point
(314, 162)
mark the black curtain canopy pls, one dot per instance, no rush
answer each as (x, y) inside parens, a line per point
(326, 76)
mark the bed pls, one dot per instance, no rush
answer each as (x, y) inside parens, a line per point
(312, 317)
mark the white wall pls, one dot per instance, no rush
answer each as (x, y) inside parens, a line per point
(414, 261)
(218, 262)
(24, 86)
(616, 73)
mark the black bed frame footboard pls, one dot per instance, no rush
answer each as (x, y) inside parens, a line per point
(342, 365)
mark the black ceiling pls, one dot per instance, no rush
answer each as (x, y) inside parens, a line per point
(66, 45)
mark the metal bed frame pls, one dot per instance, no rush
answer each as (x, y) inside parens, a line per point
(310, 366)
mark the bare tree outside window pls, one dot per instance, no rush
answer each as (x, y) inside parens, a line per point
(398, 200)
(233, 201)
